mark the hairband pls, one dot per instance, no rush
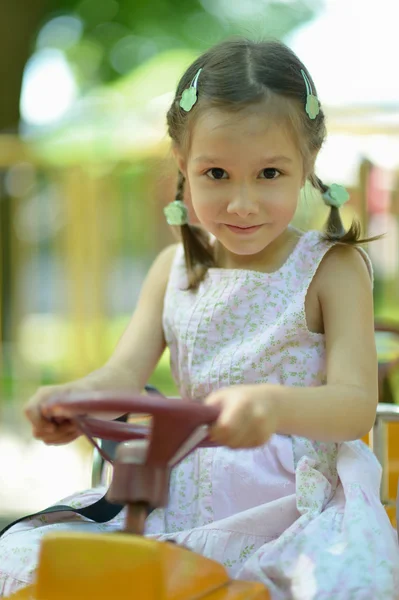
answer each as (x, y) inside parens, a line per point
(176, 213)
(190, 95)
(312, 103)
(336, 195)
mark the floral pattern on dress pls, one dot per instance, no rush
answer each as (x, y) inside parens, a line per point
(303, 517)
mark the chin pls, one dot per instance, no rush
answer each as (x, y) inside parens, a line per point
(243, 248)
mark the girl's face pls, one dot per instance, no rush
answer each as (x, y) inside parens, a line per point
(244, 174)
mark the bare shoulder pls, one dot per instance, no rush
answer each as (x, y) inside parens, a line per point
(343, 267)
(346, 300)
(160, 269)
(342, 274)
(167, 255)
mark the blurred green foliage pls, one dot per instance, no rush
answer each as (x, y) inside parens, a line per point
(105, 39)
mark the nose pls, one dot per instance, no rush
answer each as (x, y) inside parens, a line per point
(243, 203)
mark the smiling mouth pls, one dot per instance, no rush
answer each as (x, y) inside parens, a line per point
(247, 228)
(243, 230)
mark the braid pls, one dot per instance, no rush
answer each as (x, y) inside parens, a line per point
(198, 252)
(181, 180)
(334, 230)
(318, 184)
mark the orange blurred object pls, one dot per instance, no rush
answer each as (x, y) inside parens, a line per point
(122, 567)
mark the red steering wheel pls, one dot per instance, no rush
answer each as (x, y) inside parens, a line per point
(142, 465)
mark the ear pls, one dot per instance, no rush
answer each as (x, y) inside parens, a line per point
(180, 160)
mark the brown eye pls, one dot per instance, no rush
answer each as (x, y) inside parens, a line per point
(216, 173)
(271, 173)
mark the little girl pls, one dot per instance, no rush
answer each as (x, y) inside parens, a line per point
(274, 326)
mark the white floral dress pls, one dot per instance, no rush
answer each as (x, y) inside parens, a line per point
(303, 517)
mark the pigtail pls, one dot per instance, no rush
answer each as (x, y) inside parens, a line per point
(198, 252)
(334, 230)
(181, 180)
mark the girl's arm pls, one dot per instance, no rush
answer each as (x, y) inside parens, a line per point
(344, 408)
(143, 343)
(129, 367)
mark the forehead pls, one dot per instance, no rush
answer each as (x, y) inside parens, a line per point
(219, 131)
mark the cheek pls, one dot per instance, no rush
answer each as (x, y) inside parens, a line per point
(282, 203)
(206, 212)
(196, 200)
(205, 201)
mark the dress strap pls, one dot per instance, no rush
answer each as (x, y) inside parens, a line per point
(312, 250)
(178, 273)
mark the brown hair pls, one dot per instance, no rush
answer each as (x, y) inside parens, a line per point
(237, 74)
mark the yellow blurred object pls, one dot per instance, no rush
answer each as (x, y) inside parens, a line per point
(122, 567)
(391, 468)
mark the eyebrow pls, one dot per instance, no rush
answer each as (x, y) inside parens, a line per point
(268, 159)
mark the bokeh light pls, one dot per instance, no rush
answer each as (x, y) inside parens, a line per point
(48, 88)
(61, 32)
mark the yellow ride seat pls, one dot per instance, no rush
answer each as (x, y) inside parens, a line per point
(122, 567)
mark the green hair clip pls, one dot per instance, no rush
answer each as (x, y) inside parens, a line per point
(176, 213)
(312, 103)
(336, 195)
(190, 95)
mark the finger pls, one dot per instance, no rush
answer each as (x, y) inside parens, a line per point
(62, 422)
(243, 437)
(249, 441)
(34, 415)
(215, 399)
(228, 424)
(34, 408)
(218, 434)
(54, 411)
(54, 431)
(59, 442)
(243, 443)
(44, 426)
(240, 440)
(222, 436)
(60, 438)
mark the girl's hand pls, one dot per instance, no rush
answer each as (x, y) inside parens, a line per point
(248, 416)
(44, 428)
(54, 428)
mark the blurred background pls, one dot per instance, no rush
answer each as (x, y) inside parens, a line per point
(85, 169)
